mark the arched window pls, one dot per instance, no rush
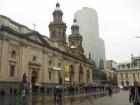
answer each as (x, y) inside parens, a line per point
(59, 64)
(59, 75)
(13, 54)
(50, 75)
(71, 70)
(81, 70)
(12, 70)
(59, 33)
(88, 76)
(80, 74)
(53, 33)
(121, 75)
(34, 58)
(134, 77)
(50, 62)
(71, 74)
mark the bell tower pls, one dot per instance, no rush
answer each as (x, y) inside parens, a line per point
(75, 39)
(57, 28)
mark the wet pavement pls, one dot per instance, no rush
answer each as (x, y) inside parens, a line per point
(120, 98)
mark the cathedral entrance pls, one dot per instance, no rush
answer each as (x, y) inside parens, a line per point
(34, 81)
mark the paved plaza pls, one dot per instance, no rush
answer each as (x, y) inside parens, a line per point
(120, 98)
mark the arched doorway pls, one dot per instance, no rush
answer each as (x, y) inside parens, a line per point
(81, 72)
(71, 72)
(34, 77)
(34, 80)
(88, 77)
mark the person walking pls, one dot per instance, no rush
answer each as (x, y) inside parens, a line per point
(2, 93)
(11, 92)
(15, 92)
(58, 93)
(134, 95)
(110, 90)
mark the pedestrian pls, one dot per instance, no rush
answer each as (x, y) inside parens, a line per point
(58, 93)
(23, 97)
(11, 91)
(2, 93)
(15, 91)
(23, 94)
(134, 95)
(110, 90)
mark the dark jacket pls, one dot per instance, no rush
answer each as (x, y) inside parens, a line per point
(58, 91)
(132, 93)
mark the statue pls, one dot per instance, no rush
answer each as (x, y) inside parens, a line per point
(24, 78)
(24, 82)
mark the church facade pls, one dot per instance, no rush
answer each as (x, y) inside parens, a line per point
(44, 60)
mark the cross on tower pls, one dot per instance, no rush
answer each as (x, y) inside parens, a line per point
(34, 25)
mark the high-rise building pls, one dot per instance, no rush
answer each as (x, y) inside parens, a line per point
(87, 20)
(101, 50)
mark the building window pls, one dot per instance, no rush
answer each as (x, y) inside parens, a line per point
(88, 75)
(53, 34)
(59, 33)
(59, 75)
(59, 64)
(50, 75)
(121, 75)
(50, 62)
(126, 75)
(122, 83)
(134, 76)
(34, 58)
(12, 70)
(13, 54)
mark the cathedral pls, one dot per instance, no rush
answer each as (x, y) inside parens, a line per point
(42, 60)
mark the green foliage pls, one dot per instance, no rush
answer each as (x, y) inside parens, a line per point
(103, 76)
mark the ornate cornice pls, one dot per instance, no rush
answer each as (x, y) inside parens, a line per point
(45, 44)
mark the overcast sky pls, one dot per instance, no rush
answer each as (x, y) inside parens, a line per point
(119, 20)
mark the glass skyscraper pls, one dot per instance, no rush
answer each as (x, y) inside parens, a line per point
(87, 20)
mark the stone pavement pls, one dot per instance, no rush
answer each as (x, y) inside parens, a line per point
(120, 98)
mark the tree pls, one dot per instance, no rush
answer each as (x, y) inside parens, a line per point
(101, 65)
(103, 76)
(95, 71)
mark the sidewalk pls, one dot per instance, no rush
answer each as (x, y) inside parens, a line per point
(120, 98)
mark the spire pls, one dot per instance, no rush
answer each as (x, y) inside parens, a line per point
(75, 27)
(58, 27)
(57, 14)
(57, 4)
(57, 7)
(75, 39)
(75, 23)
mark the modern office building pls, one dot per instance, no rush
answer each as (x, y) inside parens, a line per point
(101, 51)
(87, 20)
